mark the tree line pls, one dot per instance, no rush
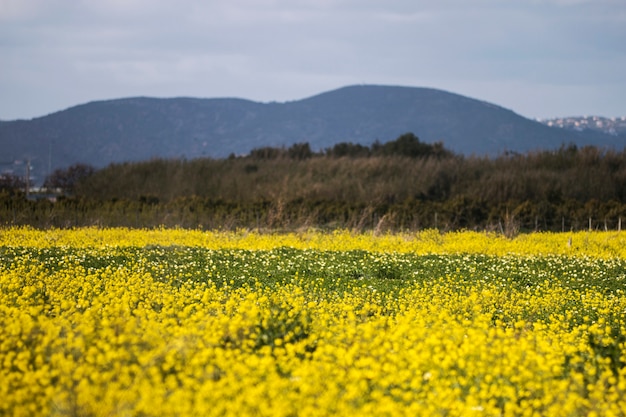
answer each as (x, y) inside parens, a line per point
(403, 184)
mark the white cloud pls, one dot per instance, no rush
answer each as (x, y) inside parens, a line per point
(288, 49)
(21, 9)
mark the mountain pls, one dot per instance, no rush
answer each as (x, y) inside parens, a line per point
(140, 128)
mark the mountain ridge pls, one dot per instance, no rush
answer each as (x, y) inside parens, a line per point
(139, 128)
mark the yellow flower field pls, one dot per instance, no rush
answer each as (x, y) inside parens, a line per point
(596, 244)
(118, 322)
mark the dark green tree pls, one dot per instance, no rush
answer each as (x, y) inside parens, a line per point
(67, 179)
(348, 149)
(410, 146)
(266, 152)
(300, 151)
(11, 184)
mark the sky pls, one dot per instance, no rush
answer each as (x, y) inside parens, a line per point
(539, 58)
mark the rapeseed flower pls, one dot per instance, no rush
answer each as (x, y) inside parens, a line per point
(172, 322)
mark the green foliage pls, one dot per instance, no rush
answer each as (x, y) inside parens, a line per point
(409, 145)
(399, 185)
(67, 179)
(285, 323)
(411, 214)
(339, 272)
(298, 151)
(11, 185)
(348, 149)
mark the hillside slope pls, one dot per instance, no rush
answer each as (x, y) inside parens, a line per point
(132, 129)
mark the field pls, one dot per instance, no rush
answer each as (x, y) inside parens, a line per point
(123, 322)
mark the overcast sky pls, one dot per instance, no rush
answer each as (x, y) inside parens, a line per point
(539, 58)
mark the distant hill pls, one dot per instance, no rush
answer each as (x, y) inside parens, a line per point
(141, 128)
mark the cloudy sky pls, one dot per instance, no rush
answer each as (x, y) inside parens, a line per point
(540, 58)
